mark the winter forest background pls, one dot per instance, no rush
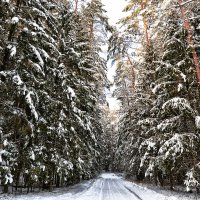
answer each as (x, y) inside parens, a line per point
(56, 127)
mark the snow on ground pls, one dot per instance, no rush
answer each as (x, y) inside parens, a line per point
(158, 194)
(110, 176)
(164, 191)
(107, 186)
(58, 194)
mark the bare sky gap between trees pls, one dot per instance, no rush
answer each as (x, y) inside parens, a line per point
(114, 13)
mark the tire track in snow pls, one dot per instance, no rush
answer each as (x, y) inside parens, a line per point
(121, 185)
(118, 190)
(105, 192)
(133, 193)
(108, 190)
(92, 185)
(111, 193)
(101, 185)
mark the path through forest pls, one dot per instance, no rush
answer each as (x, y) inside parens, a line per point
(107, 186)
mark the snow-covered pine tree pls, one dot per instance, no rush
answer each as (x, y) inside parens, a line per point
(50, 85)
(137, 13)
(142, 118)
(96, 25)
(174, 107)
(109, 139)
(164, 109)
(29, 58)
(124, 92)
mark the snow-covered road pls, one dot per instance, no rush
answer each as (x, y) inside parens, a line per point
(108, 186)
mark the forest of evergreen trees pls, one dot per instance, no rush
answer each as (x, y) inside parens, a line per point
(55, 126)
(159, 90)
(51, 88)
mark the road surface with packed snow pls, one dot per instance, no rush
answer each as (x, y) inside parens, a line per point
(108, 186)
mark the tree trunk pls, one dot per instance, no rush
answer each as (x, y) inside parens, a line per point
(50, 185)
(143, 5)
(132, 71)
(76, 7)
(58, 180)
(189, 38)
(5, 188)
(91, 33)
(171, 181)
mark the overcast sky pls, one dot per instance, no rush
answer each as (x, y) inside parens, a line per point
(114, 9)
(114, 12)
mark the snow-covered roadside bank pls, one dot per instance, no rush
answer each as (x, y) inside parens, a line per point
(57, 194)
(107, 186)
(147, 193)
